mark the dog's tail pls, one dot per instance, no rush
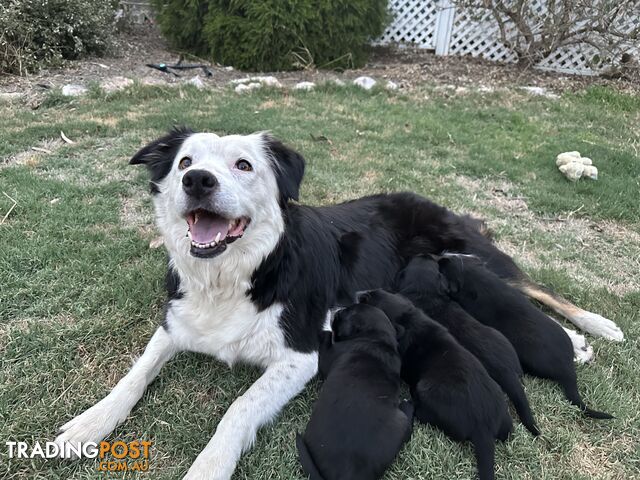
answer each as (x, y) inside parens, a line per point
(515, 391)
(306, 460)
(571, 392)
(484, 445)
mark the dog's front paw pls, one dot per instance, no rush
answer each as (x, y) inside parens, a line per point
(210, 469)
(599, 326)
(91, 426)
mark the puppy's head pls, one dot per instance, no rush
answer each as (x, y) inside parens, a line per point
(212, 191)
(422, 276)
(396, 307)
(361, 321)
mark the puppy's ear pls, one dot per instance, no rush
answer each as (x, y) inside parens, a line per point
(400, 331)
(288, 166)
(158, 156)
(451, 273)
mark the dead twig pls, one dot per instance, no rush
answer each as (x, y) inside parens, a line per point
(15, 202)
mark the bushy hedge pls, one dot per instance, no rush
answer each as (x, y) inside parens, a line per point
(265, 35)
(35, 33)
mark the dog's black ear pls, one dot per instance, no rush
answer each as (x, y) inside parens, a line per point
(288, 166)
(158, 156)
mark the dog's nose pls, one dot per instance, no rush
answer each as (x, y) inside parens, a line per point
(362, 296)
(199, 183)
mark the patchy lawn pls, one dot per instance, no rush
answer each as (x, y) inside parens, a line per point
(81, 292)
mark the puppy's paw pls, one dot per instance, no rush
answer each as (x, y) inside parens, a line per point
(91, 426)
(582, 351)
(599, 326)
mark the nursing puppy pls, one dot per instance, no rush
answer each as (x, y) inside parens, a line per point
(422, 283)
(449, 386)
(544, 349)
(357, 426)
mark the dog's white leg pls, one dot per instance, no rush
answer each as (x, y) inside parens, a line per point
(596, 325)
(582, 351)
(586, 321)
(99, 421)
(260, 404)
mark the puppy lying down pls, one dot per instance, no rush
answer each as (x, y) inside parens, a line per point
(544, 349)
(449, 386)
(422, 283)
(357, 425)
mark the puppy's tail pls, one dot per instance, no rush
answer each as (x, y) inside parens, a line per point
(515, 391)
(306, 460)
(571, 392)
(484, 445)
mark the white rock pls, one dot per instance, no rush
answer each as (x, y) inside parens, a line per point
(229, 68)
(71, 90)
(486, 89)
(197, 82)
(567, 157)
(269, 81)
(573, 171)
(391, 85)
(304, 86)
(238, 81)
(247, 87)
(114, 84)
(540, 91)
(590, 172)
(338, 82)
(365, 82)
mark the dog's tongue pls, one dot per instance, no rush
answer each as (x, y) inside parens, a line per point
(205, 227)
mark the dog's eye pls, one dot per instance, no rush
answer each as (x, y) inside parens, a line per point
(243, 165)
(184, 163)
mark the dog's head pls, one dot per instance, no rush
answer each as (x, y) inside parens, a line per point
(400, 310)
(361, 321)
(216, 190)
(422, 277)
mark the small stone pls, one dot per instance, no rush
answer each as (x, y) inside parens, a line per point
(247, 87)
(338, 82)
(71, 90)
(229, 69)
(365, 82)
(391, 85)
(304, 86)
(269, 81)
(238, 81)
(540, 91)
(196, 82)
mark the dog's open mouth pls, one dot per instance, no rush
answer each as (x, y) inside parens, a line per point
(210, 233)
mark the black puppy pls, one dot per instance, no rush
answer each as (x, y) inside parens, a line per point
(357, 426)
(422, 283)
(544, 349)
(449, 386)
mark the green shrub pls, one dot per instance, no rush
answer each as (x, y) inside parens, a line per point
(274, 34)
(35, 33)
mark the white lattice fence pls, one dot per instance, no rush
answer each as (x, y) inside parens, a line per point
(439, 26)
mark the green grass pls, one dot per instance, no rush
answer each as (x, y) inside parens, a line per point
(81, 292)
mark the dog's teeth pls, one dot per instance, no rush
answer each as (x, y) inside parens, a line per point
(218, 237)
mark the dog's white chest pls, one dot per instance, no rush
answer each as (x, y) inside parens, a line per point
(227, 327)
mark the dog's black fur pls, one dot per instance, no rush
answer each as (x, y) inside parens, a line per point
(422, 283)
(449, 386)
(326, 254)
(357, 426)
(544, 349)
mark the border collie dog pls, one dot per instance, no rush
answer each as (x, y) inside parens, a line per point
(252, 276)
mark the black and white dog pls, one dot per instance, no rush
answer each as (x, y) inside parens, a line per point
(252, 276)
